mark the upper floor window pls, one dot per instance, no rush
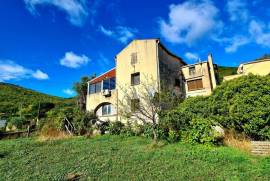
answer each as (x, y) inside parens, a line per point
(177, 82)
(95, 88)
(133, 58)
(109, 83)
(135, 78)
(192, 70)
(195, 85)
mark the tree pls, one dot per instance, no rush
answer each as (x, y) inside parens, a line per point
(145, 103)
(81, 90)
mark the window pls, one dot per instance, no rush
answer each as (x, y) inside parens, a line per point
(98, 87)
(106, 109)
(134, 105)
(133, 58)
(195, 85)
(109, 83)
(177, 82)
(92, 89)
(192, 70)
(135, 79)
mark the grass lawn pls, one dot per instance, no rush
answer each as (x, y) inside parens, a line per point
(119, 158)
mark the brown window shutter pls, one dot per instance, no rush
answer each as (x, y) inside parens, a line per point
(195, 85)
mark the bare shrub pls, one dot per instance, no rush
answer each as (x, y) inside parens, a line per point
(237, 140)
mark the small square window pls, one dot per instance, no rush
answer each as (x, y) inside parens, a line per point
(135, 78)
(192, 70)
(135, 105)
(133, 58)
(177, 82)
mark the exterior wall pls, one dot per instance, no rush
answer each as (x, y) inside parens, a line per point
(205, 71)
(95, 100)
(260, 67)
(169, 70)
(256, 68)
(147, 65)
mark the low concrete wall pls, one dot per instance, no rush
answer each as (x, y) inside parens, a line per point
(261, 148)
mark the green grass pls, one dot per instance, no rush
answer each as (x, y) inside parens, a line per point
(119, 158)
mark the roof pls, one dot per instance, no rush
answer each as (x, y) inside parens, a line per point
(161, 45)
(257, 61)
(106, 75)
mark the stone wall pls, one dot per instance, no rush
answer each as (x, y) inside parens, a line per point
(261, 148)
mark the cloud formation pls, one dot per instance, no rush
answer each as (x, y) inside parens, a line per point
(71, 60)
(121, 33)
(9, 70)
(237, 10)
(192, 56)
(69, 92)
(190, 21)
(76, 10)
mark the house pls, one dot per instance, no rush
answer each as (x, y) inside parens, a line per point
(257, 67)
(138, 63)
(200, 78)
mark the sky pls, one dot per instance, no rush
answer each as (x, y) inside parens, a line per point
(47, 45)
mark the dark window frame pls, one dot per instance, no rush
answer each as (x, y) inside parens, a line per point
(134, 105)
(135, 81)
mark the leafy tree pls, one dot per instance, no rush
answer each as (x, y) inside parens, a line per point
(81, 90)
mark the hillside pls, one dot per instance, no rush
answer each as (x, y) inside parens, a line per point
(225, 71)
(13, 97)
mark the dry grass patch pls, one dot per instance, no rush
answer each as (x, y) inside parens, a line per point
(48, 134)
(238, 141)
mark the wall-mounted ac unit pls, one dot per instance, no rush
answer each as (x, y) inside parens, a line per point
(106, 92)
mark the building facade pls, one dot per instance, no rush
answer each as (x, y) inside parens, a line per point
(145, 62)
(200, 78)
(258, 67)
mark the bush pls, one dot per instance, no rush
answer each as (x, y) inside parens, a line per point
(201, 131)
(18, 122)
(116, 128)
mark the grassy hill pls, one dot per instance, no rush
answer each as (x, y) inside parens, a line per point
(225, 71)
(12, 97)
(125, 158)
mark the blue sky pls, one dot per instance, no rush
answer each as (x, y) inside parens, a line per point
(46, 45)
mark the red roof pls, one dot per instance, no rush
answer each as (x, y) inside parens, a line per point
(106, 75)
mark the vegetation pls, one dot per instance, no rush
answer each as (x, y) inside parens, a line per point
(125, 158)
(225, 71)
(241, 104)
(14, 98)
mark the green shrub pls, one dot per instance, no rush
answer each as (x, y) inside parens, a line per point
(18, 122)
(201, 131)
(115, 128)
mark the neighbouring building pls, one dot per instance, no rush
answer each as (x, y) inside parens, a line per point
(142, 61)
(257, 67)
(200, 78)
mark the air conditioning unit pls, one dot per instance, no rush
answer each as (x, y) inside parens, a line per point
(106, 92)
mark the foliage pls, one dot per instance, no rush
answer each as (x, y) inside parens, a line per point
(201, 131)
(116, 127)
(18, 122)
(81, 88)
(241, 104)
(125, 158)
(225, 71)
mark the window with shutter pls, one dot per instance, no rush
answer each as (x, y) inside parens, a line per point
(195, 85)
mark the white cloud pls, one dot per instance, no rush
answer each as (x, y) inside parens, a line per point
(40, 75)
(76, 10)
(260, 33)
(192, 56)
(9, 70)
(237, 10)
(72, 60)
(190, 21)
(235, 43)
(120, 33)
(69, 92)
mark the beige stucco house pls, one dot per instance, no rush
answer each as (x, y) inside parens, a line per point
(200, 78)
(258, 67)
(141, 62)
